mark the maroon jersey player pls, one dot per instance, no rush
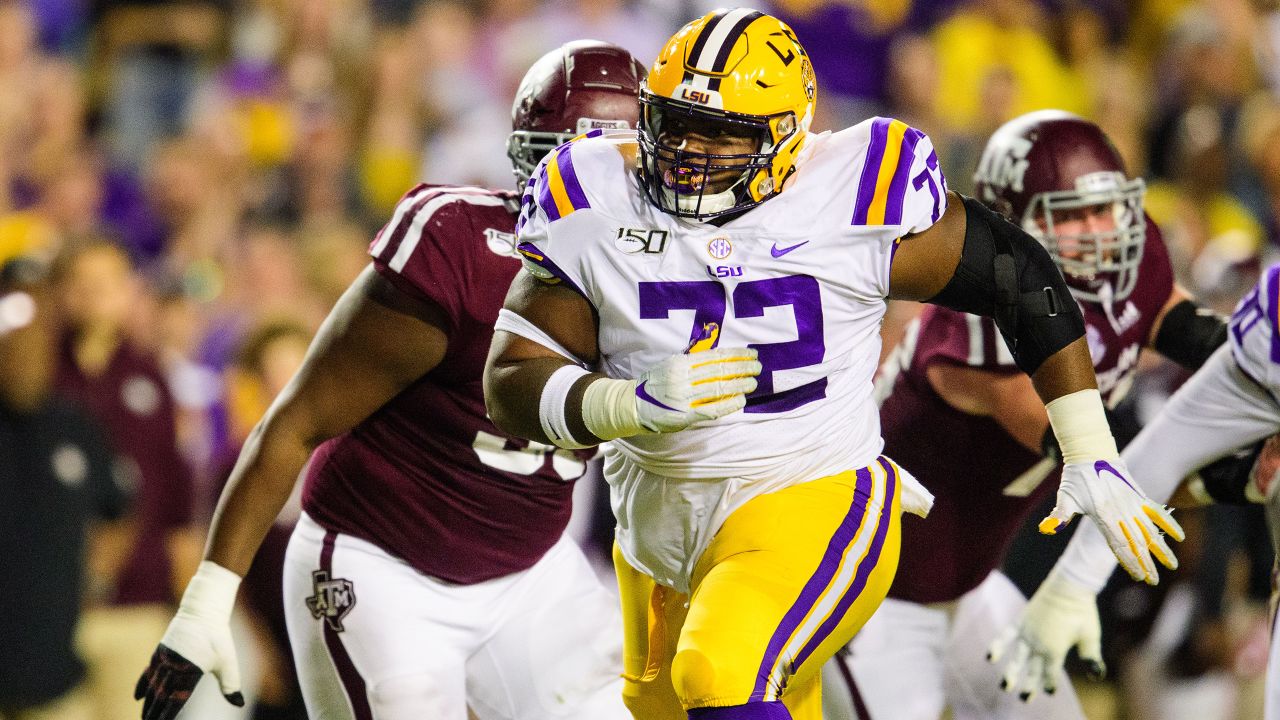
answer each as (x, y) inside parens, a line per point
(429, 573)
(953, 380)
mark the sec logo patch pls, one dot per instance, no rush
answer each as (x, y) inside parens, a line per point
(719, 247)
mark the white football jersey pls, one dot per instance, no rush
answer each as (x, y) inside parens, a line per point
(802, 278)
(1255, 342)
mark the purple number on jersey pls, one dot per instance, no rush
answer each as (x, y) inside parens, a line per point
(707, 299)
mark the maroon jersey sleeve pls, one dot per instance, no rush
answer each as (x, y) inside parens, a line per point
(955, 338)
(1156, 270)
(425, 250)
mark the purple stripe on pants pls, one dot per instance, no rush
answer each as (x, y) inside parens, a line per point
(871, 170)
(818, 582)
(352, 683)
(901, 176)
(750, 711)
(572, 188)
(864, 571)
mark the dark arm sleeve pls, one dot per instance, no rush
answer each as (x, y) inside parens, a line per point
(1006, 274)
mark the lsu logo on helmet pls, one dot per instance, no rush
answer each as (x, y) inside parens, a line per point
(746, 71)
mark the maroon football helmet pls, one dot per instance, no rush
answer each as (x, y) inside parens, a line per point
(1058, 177)
(579, 86)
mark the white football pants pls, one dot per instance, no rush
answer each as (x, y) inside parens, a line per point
(376, 640)
(911, 661)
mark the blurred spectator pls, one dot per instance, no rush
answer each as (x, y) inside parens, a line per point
(1002, 42)
(55, 482)
(151, 54)
(123, 388)
(1260, 144)
(1214, 242)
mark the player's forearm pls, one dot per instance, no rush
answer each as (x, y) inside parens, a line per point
(263, 478)
(513, 393)
(1067, 371)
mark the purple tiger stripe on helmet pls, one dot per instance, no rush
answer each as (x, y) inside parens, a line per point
(868, 564)
(818, 582)
(901, 177)
(871, 170)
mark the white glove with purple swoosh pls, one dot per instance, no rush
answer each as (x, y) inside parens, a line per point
(695, 386)
(1132, 524)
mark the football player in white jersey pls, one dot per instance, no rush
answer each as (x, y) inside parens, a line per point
(1058, 176)
(1233, 401)
(723, 275)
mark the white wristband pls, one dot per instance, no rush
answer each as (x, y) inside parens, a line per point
(211, 593)
(1080, 424)
(609, 409)
(551, 406)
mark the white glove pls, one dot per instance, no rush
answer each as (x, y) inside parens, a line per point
(1060, 616)
(1128, 519)
(692, 387)
(916, 499)
(197, 641)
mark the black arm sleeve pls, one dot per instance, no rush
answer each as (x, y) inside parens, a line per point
(1189, 334)
(1004, 273)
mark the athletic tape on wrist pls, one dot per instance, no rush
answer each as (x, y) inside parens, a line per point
(211, 592)
(609, 409)
(551, 406)
(1080, 424)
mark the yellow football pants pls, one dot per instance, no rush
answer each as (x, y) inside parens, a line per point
(787, 581)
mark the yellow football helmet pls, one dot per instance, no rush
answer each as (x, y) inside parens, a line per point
(734, 72)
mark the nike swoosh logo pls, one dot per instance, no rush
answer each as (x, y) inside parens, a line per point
(779, 252)
(1101, 465)
(644, 395)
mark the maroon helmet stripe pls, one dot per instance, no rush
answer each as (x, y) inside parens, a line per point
(352, 682)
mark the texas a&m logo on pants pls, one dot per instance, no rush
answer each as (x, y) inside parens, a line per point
(332, 600)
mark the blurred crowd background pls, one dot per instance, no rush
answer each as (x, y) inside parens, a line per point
(186, 188)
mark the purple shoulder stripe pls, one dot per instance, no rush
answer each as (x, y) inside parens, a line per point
(543, 197)
(530, 252)
(901, 177)
(871, 170)
(572, 188)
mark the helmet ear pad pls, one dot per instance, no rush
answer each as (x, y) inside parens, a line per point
(579, 86)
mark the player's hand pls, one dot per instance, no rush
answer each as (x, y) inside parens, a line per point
(695, 386)
(916, 498)
(1060, 616)
(1128, 519)
(198, 641)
